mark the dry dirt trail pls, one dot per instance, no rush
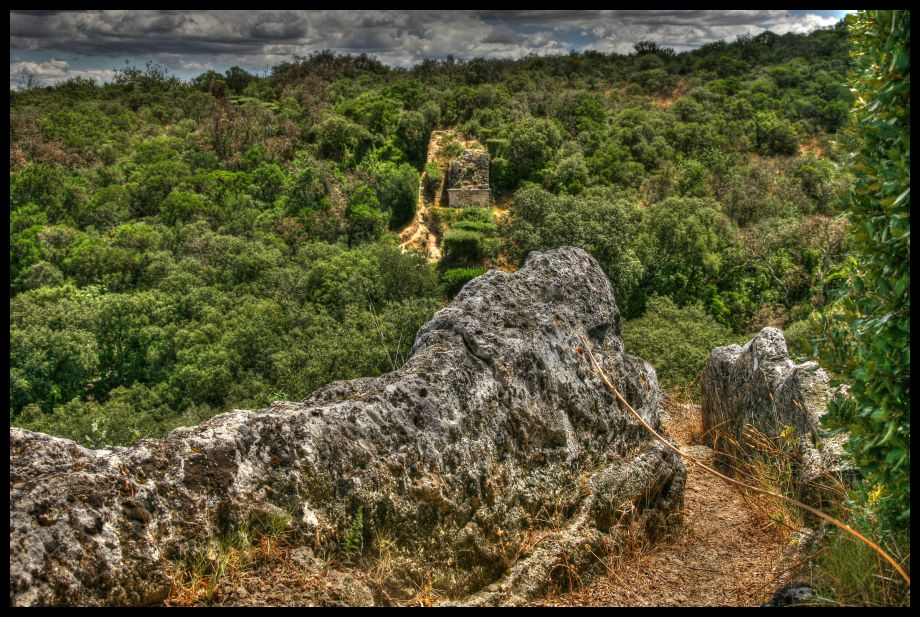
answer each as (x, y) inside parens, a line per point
(421, 234)
(726, 555)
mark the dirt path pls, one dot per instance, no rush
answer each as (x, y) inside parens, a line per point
(422, 234)
(726, 555)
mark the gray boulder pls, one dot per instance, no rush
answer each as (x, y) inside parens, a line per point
(793, 595)
(493, 457)
(759, 387)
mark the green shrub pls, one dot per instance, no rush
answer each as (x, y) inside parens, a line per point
(366, 221)
(462, 246)
(180, 206)
(800, 338)
(479, 215)
(869, 327)
(433, 178)
(676, 341)
(774, 135)
(455, 278)
(483, 228)
(471, 236)
(453, 149)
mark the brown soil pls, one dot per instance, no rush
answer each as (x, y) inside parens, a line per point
(679, 90)
(812, 146)
(726, 555)
(422, 234)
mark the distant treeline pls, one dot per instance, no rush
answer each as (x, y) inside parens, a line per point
(180, 248)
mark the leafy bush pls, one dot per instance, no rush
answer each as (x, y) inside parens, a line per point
(532, 143)
(483, 228)
(397, 188)
(470, 237)
(801, 339)
(453, 149)
(676, 341)
(366, 221)
(869, 327)
(691, 240)
(455, 278)
(462, 246)
(774, 135)
(477, 215)
(342, 140)
(433, 178)
(181, 207)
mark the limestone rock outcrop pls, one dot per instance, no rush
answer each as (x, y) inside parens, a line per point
(494, 456)
(759, 387)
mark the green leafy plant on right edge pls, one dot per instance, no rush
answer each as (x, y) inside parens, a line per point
(868, 328)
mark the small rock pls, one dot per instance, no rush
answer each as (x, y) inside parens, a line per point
(303, 557)
(349, 591)
(698, 452)
(792, 595)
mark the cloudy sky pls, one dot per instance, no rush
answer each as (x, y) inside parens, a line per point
(51, 46)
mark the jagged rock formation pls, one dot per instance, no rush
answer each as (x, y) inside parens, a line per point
(758, 386)
(493, 456)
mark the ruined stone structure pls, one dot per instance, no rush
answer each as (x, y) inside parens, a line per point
(468, 180)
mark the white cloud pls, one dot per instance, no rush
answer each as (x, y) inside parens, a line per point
(801, 24)
(52, 72)
(256, 39)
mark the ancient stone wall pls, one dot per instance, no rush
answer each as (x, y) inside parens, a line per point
(460, 198)
(468, 180)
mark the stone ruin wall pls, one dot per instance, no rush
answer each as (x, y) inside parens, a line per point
(458, 198)
(468, 180)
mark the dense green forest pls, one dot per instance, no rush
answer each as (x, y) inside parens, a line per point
(178, 249)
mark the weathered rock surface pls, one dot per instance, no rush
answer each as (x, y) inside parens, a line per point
(792, 595)
(493, 457)
(758, 386)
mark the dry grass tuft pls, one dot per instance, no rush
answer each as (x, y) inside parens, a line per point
(843, 570)
(215, 570)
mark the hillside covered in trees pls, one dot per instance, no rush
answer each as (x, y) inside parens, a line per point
(184, 248)
(178, 249)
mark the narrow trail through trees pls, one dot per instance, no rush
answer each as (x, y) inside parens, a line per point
(726, 555)
(422, 233)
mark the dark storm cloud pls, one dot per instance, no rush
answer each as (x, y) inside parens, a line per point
(255, 39)
(502, 34)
